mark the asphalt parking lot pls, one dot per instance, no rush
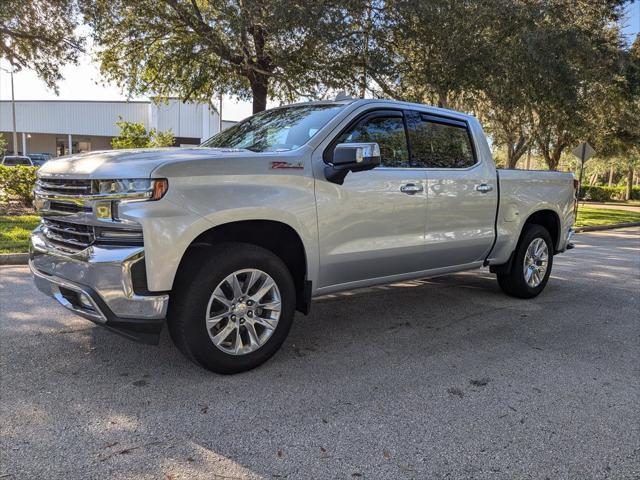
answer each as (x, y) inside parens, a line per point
(442, 378)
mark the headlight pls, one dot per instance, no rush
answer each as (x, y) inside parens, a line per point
(132, 188)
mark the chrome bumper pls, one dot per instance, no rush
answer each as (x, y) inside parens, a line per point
(97, 284)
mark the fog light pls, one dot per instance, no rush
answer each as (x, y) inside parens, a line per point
(85, 302)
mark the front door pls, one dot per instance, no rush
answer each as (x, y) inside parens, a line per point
(461, 191)
(373, 225)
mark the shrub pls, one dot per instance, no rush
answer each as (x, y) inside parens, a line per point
(135, 135)
(598, 193)
(16, 183)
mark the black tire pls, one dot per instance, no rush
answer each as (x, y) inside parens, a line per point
(513, 282)
(195, 284)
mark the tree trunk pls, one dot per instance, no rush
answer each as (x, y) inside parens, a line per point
(516, 148)
(611, 172)
(552, 161)
(512, 160)
(629, 184)
(443, 99)
(259, 88)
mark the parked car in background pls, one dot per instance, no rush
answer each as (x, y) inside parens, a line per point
(17, 160)
(227, 240)
(31, 160)
(39, 159)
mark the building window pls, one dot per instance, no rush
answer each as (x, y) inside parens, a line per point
(79, 145)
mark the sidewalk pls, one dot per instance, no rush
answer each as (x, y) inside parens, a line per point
(611, 206)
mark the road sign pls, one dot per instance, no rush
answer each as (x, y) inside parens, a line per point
(584, 151)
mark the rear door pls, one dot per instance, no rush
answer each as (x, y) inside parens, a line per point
(461, 190)
(373, 225)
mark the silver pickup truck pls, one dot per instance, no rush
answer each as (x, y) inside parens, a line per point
(226, 241)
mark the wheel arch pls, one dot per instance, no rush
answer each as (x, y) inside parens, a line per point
(548, 219)
(278, 237)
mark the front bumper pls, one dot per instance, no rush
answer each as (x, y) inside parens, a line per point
(98, 284)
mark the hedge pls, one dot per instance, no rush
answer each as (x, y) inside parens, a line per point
(598, 193)
(16, 183)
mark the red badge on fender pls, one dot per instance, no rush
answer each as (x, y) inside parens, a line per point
(287, 165)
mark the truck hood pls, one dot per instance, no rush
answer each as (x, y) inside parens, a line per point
(138, 163)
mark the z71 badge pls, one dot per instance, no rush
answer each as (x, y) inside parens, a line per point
(298, 165)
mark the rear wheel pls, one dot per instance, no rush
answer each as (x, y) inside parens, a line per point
(531, 265)
(232, 311)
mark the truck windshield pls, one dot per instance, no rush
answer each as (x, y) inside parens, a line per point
(276, 130)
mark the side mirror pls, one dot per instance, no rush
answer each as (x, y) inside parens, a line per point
(352, 157)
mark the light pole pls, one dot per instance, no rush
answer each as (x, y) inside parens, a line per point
(220, 114)
(13, 107)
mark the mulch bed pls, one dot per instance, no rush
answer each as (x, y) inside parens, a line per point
(15, 208)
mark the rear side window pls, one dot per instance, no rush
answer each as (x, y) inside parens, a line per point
(440, 145)
(13, 161)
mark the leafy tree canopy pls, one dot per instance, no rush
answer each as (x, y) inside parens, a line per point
(195, 48)
(39, 35)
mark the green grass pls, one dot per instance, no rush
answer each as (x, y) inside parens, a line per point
(593, 216)
(14, 232)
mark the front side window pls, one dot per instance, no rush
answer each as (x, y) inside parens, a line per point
(276, 130)
(388, 133)
(440, 145)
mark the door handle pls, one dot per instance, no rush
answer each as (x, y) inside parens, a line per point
(411, 188)
(484, 188)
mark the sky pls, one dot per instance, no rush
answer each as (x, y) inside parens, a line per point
(83, 82)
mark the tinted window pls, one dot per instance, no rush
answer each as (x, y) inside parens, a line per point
(276, 130)
(13, 161)
(438, 145)
(388, 133)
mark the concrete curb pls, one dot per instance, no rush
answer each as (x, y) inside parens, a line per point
(23, 258)
(606, 227)
(14, 258)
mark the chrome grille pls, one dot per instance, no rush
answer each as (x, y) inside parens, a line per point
(64, 186)
(68, 236)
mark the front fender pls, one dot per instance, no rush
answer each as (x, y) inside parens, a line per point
(194, 205)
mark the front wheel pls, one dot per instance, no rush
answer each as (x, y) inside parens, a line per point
(531, 265)
(230, 312)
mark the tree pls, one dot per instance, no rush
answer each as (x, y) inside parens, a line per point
(538, 74)
(420, 60)
(135, 135)
(3, 144)
(579, 48)
(195, 48)
(39, 35)
(478, 63)
(620, 142)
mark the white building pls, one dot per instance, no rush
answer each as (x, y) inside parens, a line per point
(60, 127)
